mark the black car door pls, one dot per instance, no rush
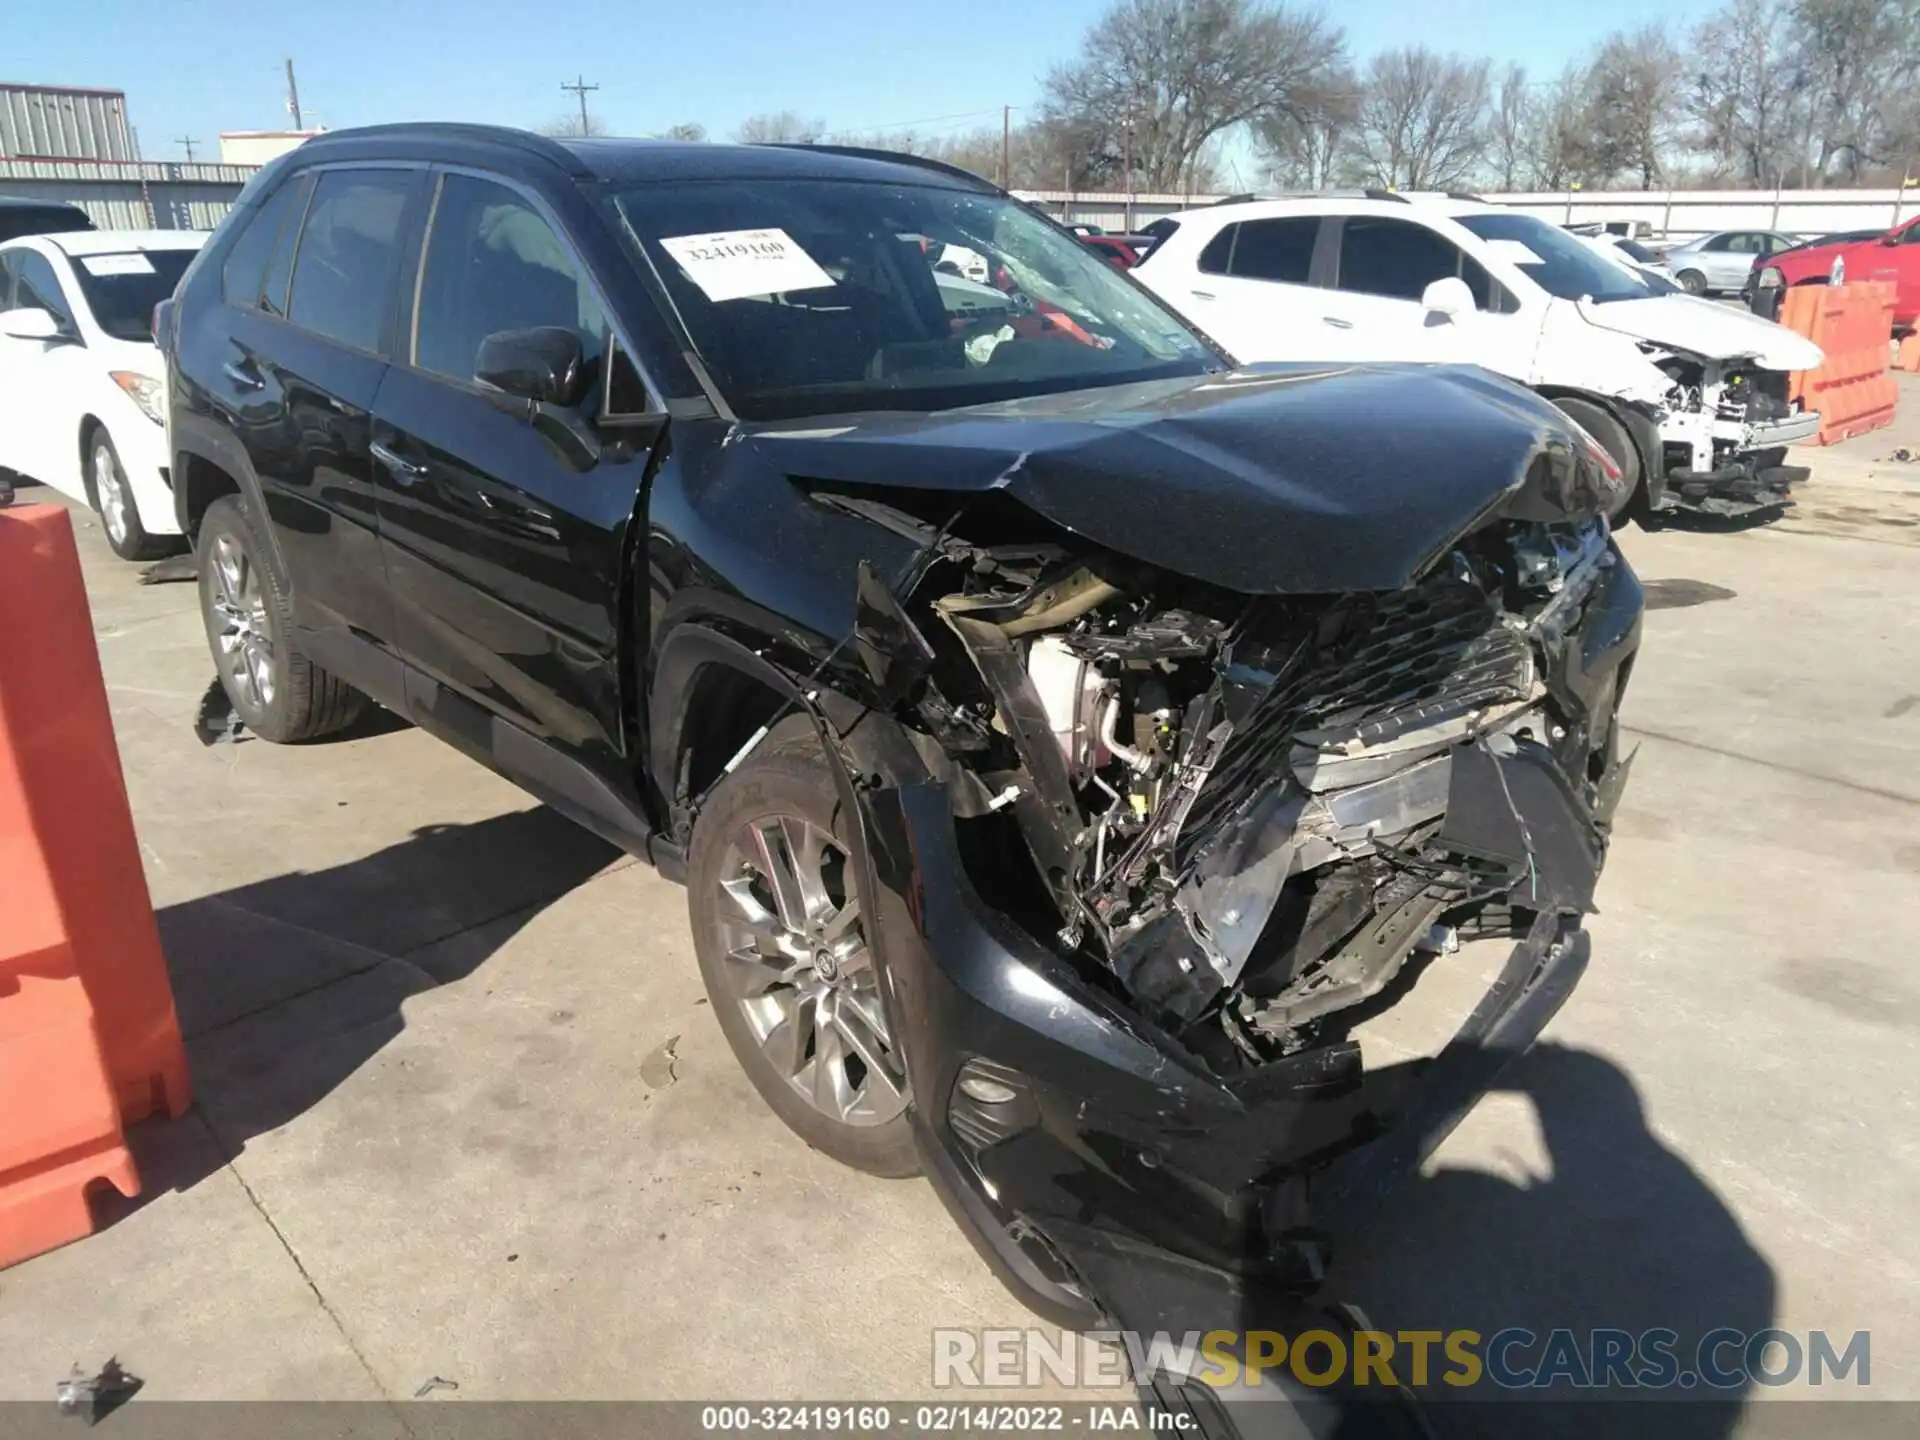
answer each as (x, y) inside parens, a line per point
(307, 351)
(504, 538)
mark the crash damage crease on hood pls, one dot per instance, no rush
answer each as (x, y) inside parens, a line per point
(1702, 327)
(1277, 480)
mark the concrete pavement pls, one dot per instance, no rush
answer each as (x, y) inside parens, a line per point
(463, 1110)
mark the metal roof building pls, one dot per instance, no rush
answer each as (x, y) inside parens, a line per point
(57, 122)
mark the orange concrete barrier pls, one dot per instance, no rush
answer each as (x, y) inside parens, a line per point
(1853, 324)
(88, 1036)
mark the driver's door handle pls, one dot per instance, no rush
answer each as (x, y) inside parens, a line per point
(1336, 322)
(401, 468)
(243, 374)
(1201, 294)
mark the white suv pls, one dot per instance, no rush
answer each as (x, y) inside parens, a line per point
(1689, 396)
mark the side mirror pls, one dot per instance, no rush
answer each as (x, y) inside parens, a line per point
(1448, 298)
(1892, 237)
(544, 364)
(32, 324)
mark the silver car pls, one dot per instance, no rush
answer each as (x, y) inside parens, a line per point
(1721, 262)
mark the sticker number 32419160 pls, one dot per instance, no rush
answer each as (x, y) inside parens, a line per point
(729, 264)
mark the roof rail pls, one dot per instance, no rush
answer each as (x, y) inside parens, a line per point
(524, 141)
(1466, 195)
(895, 157)
(1233, 200)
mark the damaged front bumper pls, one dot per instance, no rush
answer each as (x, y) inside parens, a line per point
(1106, 1174)
(1750, 483)
(1731, 464)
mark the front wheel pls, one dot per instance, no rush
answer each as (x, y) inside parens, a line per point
(781, 936)
(1613, 438)
(1692, 281)
(113, 499)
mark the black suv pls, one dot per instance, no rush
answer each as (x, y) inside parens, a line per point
(1061, 732)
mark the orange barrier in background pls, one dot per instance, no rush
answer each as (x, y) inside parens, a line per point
(1853, 324)
(1908, 357)
(89, 1040)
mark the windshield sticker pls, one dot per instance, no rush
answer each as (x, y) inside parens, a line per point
(1514, 252)
(130, 264)
(733, 264)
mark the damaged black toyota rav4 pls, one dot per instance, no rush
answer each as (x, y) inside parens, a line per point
(1064, 735)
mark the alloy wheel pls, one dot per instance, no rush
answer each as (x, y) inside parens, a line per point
(111, 493)
(799, 967)
(240, 609)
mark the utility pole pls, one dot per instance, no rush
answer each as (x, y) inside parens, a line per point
(293, 98)
(1006, 147)
(186, 142)
(580, 88)
(1126, 163)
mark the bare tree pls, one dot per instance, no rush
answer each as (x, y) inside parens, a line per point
(785, 128)
(571, 127)
(1303, 145)
(1634, 104)
(1857, 59)
(1422, 122)
(1158, 79)
(686, 130)
(1742, 91)
(1510, 127)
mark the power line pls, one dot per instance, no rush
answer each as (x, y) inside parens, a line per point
(580, 87)
(187, 142)
(931, 120)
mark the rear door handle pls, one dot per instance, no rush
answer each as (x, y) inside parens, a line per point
(1201, 294)
(401, 468)
(1336, 322)
(242, 373)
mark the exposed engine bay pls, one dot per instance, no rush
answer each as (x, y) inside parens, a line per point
(1725, 432)
(1251, 811)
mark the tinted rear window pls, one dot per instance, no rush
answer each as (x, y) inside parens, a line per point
(348, 248)
(267, 236)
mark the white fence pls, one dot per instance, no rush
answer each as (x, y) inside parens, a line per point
(1679, 214)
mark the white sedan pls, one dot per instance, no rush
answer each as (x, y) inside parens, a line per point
(82, 387)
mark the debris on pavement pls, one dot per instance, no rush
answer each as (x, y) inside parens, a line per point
(171, 570)
(433, 1383)
(1902, 456)
(659, 1068)
(217, 724)
(94, 1397)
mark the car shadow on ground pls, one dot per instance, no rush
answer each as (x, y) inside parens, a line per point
(1620, 1234)
(288, 986)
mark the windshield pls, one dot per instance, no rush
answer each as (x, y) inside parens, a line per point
(1563, 265)
(808, 297)
(122, 289)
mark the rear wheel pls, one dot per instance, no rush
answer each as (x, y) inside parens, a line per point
(1613, 438)
(113, 499)
(1692, 281)
(780, 932)
(278, 693)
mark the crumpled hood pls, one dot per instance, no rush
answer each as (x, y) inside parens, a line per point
(1269, 480)
(1705, 328)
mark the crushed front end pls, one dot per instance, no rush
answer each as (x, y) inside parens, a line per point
(1725, 430)
(1174, 840)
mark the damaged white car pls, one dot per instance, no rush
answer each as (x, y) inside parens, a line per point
(1688, 396)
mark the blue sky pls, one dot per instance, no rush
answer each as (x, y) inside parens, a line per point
(197, 67)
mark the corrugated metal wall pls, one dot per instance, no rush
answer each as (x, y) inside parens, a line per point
(131, 196)
(48, 122)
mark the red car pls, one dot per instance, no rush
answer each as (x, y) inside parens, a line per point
(1894, 255)
(1123, 252)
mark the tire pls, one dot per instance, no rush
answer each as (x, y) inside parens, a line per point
(1614, 439)
(278, 693)
(113, 501)
(1692, 281)
(793, 984)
